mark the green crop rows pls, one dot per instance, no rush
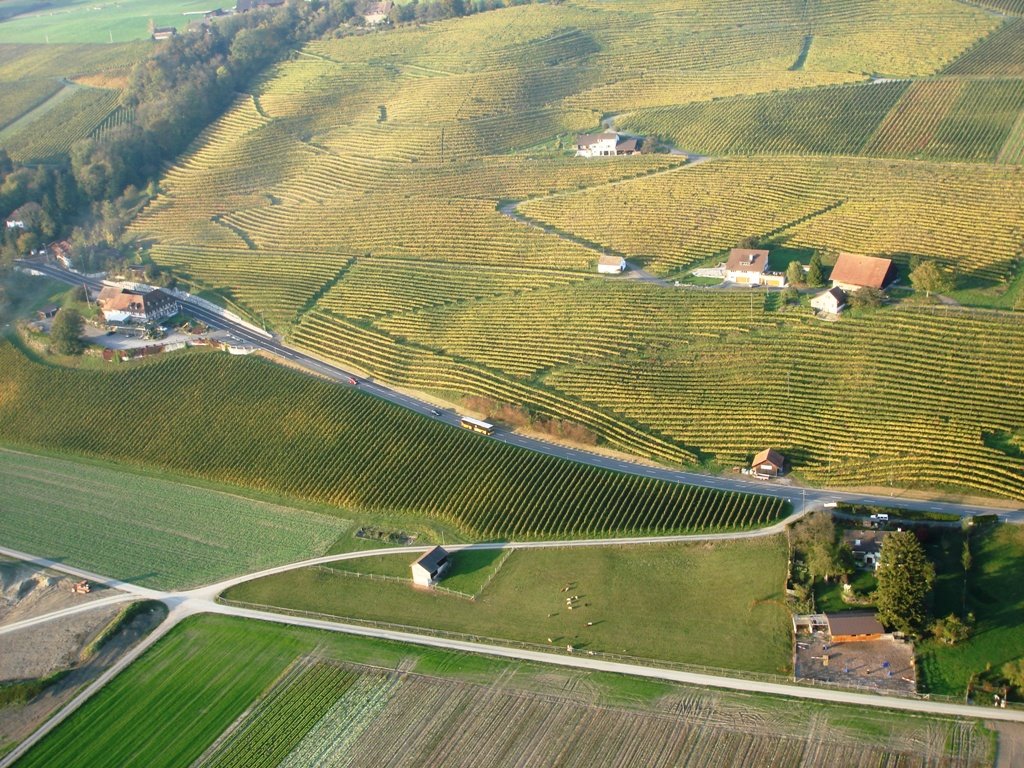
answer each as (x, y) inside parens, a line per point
(147, 530)
(326, 443)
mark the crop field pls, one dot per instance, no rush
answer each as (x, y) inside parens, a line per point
(147, 530)
(661, 588)
(329, 444)
(17, 98)
(299, 698)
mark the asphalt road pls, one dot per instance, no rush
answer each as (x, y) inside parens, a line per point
(798, 496)
(181, 605)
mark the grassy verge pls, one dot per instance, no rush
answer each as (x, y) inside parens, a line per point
(995, 594)
(121, 618)
(696, 603)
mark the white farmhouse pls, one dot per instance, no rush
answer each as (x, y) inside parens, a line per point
(606, 144)
(610, 265)
(749, 266)
(122, 305)
(429, 569)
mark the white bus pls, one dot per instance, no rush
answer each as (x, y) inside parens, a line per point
(476, 425)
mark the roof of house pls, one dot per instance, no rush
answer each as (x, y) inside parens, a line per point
(853, 623)
(863, 271)
(49, 309)
(589, 139)
(430, 560)
(379, 9)
(112, 298)
(747, 260)
(608, 260)
(31, 208)
(627, 145)
(769, 456)
(870, 541)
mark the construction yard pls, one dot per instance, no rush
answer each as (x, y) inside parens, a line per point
(881, 666)
(66, 652)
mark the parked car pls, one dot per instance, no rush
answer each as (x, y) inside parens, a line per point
(352, 381)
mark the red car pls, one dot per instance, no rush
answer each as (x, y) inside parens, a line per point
(352, 381)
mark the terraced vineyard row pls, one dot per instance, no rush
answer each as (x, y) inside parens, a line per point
(381, 355)
(381, 286)
(951, 120)
(835, 120)
(524, 334)
(940, 119)
(857, 403)
(326, 443)
(969, 217)
(1000, 53)
(52, 134)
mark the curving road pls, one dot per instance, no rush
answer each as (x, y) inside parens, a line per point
(798, 496)
(184, 604)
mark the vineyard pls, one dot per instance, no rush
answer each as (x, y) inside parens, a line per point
(324, 443)
(334, 700)
(182, 536)
(51, 134)
(970, 218)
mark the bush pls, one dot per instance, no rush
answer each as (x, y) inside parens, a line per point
(66, 333)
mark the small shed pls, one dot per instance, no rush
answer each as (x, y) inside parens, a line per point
(831, 302)
(853, 626)
(768, 463)
(47, 312)
(431, 567)
(610, 265)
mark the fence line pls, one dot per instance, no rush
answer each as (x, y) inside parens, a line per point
(766, 677)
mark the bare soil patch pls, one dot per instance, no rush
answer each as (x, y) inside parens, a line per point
(27, 591)
(882, 666)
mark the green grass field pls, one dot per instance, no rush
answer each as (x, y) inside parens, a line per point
(698, 603)
(202, 677)
(995, 593)
(146, 530)
(80, 21)
(249, 422)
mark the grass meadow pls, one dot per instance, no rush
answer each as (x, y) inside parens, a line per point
(696, 603)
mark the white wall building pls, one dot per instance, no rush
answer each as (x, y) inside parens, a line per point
(610, 265)
(430, 568)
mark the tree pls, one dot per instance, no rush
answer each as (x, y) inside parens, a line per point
(931, 278)
(951, 630)
(794, 273)
(905, 577)
(1013, 671)
(66, 332)
(791, 295)
(815, 278)
(867, 298)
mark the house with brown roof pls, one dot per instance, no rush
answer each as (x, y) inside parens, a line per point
(26, 216)
(164, 33)
(853, 272)
(768, 463)
(431, 567)
(866, 546)
(749, 266)
(853, 626)
(123, 305)
(607, 144)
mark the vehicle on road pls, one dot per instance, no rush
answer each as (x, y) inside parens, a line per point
(476, 425)
(352, 381)
(434, 412)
